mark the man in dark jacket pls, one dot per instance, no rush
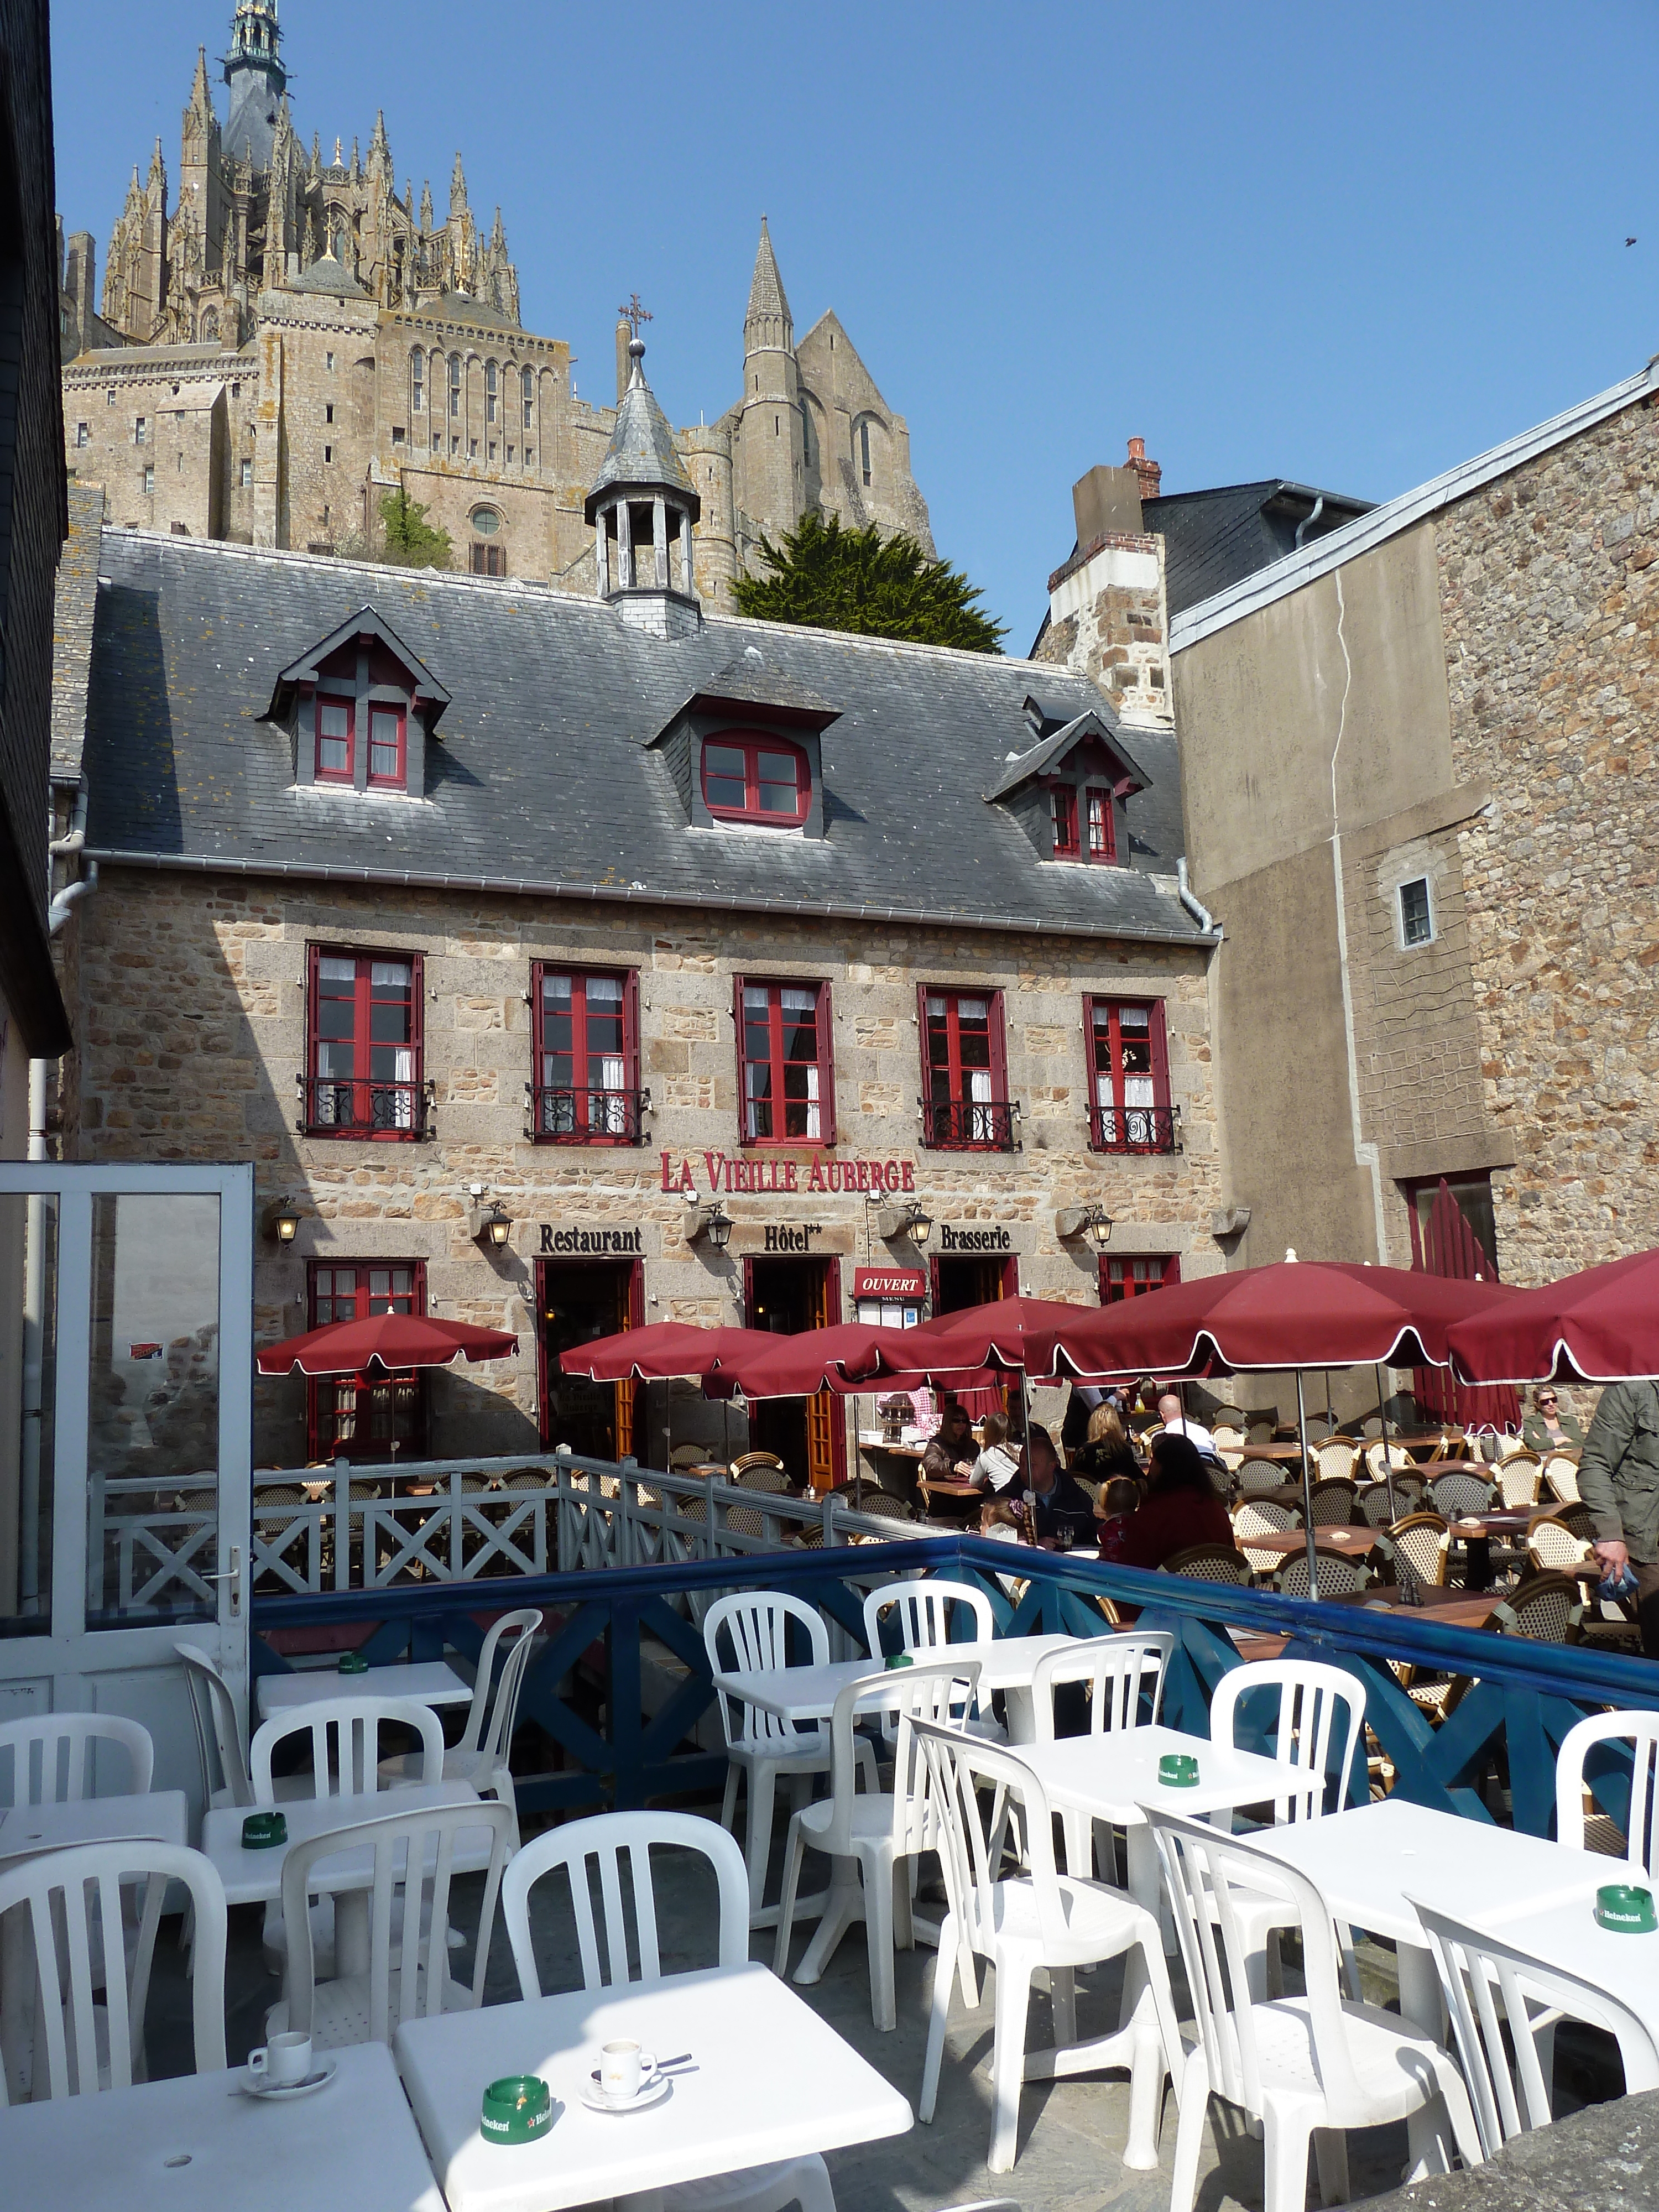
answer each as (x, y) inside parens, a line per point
(1050, 1499)
(1618, 1480)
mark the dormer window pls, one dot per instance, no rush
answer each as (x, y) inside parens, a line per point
(1101, 828)
(1062, 813)
(765, 780)
(359, 708)
(1066, 789)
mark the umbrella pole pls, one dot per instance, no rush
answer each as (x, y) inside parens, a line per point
(1307, 1493)
(1388, 1457)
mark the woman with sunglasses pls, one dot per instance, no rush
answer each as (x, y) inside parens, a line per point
(1546, 1428)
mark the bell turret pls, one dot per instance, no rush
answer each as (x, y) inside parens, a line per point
(643, 506)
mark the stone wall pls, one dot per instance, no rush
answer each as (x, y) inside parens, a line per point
(191, 1000)
(1550, 596)
(1107, 621)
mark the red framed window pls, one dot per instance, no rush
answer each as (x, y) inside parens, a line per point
(1062, 813)
(587, 1056)
(763, 780)
(965, 1105)
(337, 737)
(1101, 828)
(785, 1067)
(372, 1415)
(363, 1045)
(388, 747)
(1129, 1109)
(1131, 1278)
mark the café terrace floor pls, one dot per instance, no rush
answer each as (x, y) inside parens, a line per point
(1072, 2133)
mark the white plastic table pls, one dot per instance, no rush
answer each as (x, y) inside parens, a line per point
(772, 2080)
(429, 1682)
(195, 2144)
(808, 1693)
(256, 1877)
(1364, 1861)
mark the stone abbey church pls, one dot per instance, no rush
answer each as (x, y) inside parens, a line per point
(288, 338)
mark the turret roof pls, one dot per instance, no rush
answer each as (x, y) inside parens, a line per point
(641, 451)
(766, 294)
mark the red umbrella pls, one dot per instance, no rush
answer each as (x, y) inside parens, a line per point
(665, 1351)
(1295, 1314)
(1001, 1333)
(847, 1358)
(1599, 1326)
(395, 1341)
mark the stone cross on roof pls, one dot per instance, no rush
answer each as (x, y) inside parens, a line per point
(634, 313)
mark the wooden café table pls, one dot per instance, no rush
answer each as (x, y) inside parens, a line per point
(1342, 1540)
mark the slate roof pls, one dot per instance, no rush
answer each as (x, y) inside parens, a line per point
(543, 777)
(1048, 749)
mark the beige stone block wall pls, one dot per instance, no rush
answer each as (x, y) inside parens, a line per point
(1550, 604)
(191, 1004)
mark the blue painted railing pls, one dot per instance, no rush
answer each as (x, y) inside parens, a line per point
(1524, 1699)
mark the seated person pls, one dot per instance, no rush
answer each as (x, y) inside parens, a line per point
(1546, 1428)
(1120, 1499)
(950, 1453)
(1049, 1499)
(1177, 1422)
(998, 1522)
(1106, 1451)
(996, 1466)
(1181, 1507)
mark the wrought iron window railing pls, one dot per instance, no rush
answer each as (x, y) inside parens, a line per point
(969, 1125)
(587, 1117)
(342, 1106)
(1133, 1129)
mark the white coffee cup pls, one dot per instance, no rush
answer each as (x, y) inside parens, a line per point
(621, 2067)
(285, 2060)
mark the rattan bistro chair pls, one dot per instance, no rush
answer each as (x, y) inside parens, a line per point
(1338, 1575)
(1554, 1546)
(1461, 1492)
(749, 1462)
(1209, 1563)
(1333, 1502)
(1420, 1550)
(1336, 1456)
(1258, 1476)
(1543, 1609)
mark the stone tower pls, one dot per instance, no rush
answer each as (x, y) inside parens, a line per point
(643, 506)
(254, 71)
(769, 462)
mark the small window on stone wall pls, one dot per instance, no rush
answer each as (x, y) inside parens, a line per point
(1416, 916)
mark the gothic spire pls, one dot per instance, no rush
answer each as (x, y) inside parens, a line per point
(158, 174)
(768, 323)
(426, 203)
(498, 235)
(380, 147)
(457, 191)
(201, 100)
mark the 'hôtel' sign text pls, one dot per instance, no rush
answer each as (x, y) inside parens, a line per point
(760, 1175)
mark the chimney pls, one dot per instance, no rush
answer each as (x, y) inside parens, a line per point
(1149, 472)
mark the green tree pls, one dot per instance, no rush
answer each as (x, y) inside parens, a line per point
(857, 579)
(411, 542)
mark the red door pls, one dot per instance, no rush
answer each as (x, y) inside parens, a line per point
(1444, 1243)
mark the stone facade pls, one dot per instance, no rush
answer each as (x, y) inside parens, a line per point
(1107, 621)
(191, 1015)
(299, 341)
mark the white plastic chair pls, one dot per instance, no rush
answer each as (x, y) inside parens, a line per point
(1310, 1696)
(925, 1613)
(51, 1757)
(481, 1756)
(596, 1846)
(1307, 2066)
(345, 1761)
(1640, 1731)
(89, 2022)
(409, 1976)
(748, 1632)
(873, 1831)
(1120, 1674)
(219, 1740)
(1488, 1983)
(1037, 1918)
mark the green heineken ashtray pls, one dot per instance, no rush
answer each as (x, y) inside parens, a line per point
(1178, 1770)
(353, 1663)
(263, 1831)
(516, 2109)
(899, 1659)
(1627, 1909)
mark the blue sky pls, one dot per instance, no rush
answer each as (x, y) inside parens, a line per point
(1350, 244)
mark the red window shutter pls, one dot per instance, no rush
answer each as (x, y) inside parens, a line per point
(736, 1053)
(631, 1037)
(1171, 1271)
(314, 954)
(417, 1302)
(999, 1048)
(826, 1067)
(1160, 1044)
(924, 1067)
(417, 1033)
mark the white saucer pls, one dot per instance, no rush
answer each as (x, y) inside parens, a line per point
(651, 2093)
(279, 2093)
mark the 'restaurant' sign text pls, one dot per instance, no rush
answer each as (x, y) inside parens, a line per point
(758, 1175)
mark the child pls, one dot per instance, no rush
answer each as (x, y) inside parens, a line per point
(995, 1469)
(1118, 1502)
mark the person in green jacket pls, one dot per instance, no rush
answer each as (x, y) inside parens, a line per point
(1546, 1429)
(1618, 1480)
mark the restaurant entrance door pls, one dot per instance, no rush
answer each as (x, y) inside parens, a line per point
(809, 1435)
(959, 1284)
(576, 1302)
